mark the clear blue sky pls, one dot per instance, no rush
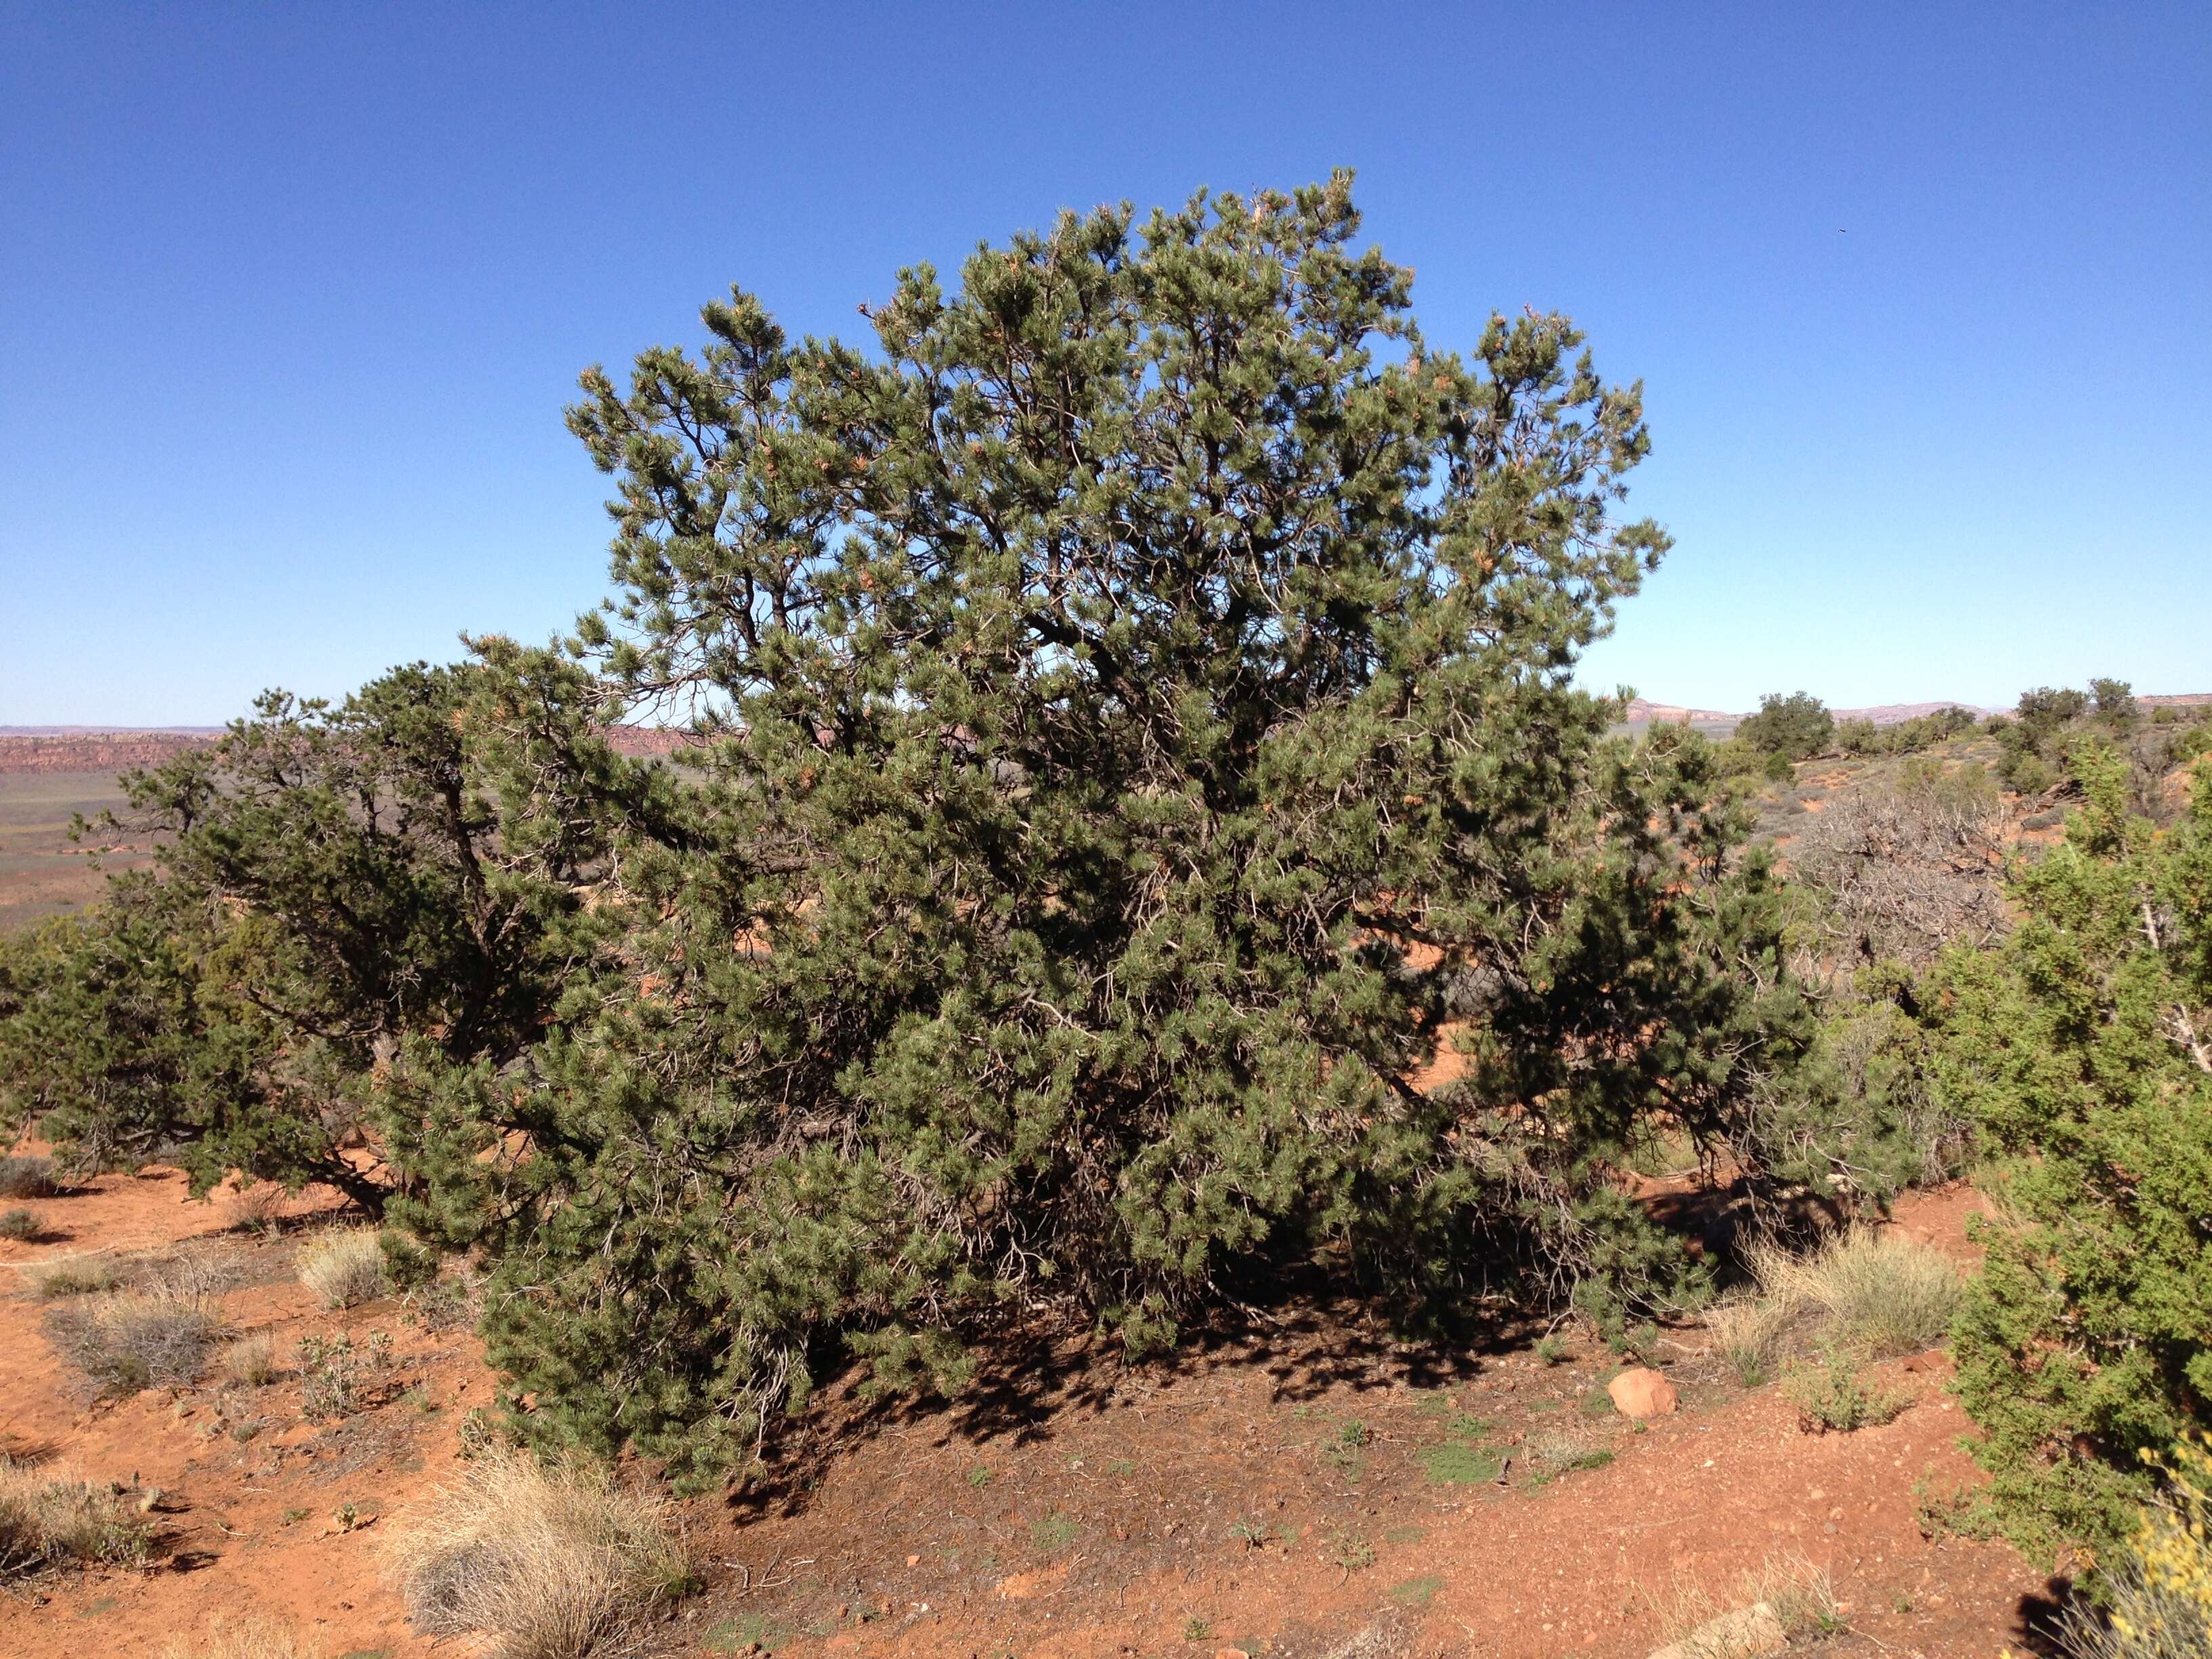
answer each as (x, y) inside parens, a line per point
(291, 297)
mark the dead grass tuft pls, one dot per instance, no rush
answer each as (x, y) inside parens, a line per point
(344, 1266)
(551, 1562)
(48, 1521)
(257, 1208)
(1796, 1595)
(1878, 1292)
(88, 1276)
(250, 1361)
(253, 1637)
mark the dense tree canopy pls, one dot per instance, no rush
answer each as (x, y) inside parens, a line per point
(329, 886)
(1139, 690)
(1135, 741)
(1793, 727)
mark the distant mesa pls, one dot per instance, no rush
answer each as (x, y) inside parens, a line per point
(121, 749)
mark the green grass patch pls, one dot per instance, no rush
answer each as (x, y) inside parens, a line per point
(1455, 1464)
(1055, 1531)
(1595, 1458)
(754, 1630)
(1417, 1593)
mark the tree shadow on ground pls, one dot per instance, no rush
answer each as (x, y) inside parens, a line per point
(1034, 1377)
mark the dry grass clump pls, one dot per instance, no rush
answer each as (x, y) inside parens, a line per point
(551, 1562)
(1874, 1293)
(253, 1637)
(1787, 1592)
(257, 1208)
(19, 1225)
(47, 1521)
(344, 1266)
(1880, 1292)
(197, 1276)
(88, 1276)
(29, 1177)
(128, 1342)
(250, 1361)
(1753, 1333)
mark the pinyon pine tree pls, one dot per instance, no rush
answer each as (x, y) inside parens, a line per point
(1138, 736)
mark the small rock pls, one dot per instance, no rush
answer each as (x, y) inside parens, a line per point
(1640, 1392)
(913, 1560)
(1230, 1653)
(1749, 1633)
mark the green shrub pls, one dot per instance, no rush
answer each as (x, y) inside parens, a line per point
(1791, 728)
(324, 883)
(1832, 1396)
(2083, 1047)
(18, 1225)
(1456, 1464)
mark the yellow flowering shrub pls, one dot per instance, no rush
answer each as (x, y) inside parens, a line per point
(2160, 1591)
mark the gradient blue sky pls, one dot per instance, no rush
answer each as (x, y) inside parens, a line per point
(291, 297)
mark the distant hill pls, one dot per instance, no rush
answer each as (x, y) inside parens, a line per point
(52, 749)
(1718, 723)
(67, 748)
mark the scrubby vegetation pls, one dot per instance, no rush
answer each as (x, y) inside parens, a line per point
(125, 1342)
(1872, 1295)
(48, 1520)
(2157, 1593)
(29, 1177)
(248, 1638)
(83, 1278)
(250, 1361)
(2083, 1047)
(1129, 737)
(1101, 806)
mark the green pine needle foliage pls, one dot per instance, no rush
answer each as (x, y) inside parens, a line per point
(2083, 1047)
(1133, 734)
(1136, 721)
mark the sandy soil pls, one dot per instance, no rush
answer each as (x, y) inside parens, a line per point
(1303, 1485)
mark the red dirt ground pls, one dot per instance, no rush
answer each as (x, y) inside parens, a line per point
(1070, 1506)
